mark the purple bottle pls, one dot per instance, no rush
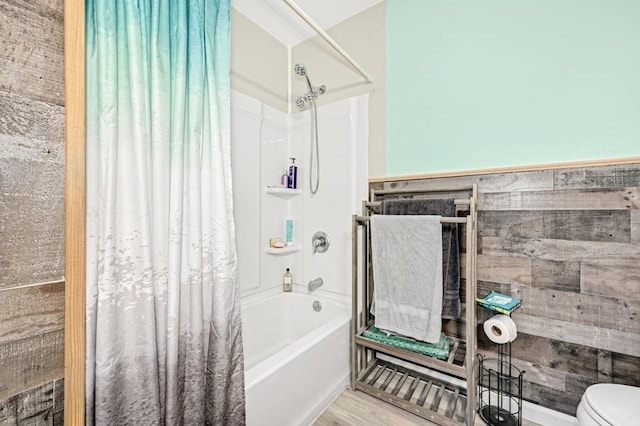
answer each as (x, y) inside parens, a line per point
(293, 174)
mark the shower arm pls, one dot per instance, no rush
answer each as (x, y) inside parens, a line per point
(322, 33)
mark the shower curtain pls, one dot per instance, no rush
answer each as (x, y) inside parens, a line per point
(164, 342)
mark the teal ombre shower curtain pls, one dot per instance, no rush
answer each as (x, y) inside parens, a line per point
(164, 340)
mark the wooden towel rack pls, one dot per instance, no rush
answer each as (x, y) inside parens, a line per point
(442, 391)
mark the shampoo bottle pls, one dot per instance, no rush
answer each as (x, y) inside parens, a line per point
(288, 232)
(293, 174)
(287, 281)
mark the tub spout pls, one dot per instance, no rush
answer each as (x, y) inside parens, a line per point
(314, 284)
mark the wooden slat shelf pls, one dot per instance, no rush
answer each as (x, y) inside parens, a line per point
(420, 394)
(453, 365)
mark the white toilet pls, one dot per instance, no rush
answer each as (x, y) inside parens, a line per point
(608, 404)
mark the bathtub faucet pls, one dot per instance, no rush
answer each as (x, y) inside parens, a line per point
(314, 284)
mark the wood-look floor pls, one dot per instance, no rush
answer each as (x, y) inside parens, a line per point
(360, 409)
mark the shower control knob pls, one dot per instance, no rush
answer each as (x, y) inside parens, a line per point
(320, 241)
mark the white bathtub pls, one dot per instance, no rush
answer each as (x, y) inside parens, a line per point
(296, 359)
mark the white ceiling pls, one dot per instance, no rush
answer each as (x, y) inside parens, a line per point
(277, 18)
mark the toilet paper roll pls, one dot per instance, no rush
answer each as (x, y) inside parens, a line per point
(512, 325)
(500, 329)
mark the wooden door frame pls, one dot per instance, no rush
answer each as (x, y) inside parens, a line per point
(74, 212)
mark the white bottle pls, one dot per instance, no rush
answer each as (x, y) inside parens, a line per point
(287, 281)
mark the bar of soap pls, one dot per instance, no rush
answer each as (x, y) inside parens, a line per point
(276, 243)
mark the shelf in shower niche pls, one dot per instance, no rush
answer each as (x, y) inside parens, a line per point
(284, 250)
(282, 192)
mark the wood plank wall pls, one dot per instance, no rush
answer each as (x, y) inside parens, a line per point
(567, 242)
(31, 212)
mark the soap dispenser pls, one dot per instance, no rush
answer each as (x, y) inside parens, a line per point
(293, 174)
(287, 281)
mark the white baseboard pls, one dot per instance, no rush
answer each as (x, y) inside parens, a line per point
(546, 416)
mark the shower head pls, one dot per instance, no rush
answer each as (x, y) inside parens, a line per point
(300, 69)
(313, 92)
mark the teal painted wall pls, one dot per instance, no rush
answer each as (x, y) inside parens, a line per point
(473, 84)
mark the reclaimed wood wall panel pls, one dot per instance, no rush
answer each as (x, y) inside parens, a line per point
(582, 334)
(580, 225)
(556, 275)
(32, 251)
(58, 402)
(31, 176)
(635, 226)
(624, 369)
(567, 242)
(539, 180)
(580, 199)
(551, 397)
(32, 45)
(29, 311)
(536, 372)
(599, 311)
(37, 407)
(605, 366)
(31, 362)
(32, 212)
(504, 269)
(620, 281)
(615, 254)
(606, 177)
(35, 127)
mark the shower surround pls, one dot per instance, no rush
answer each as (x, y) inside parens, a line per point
(261, 212)
(261, 208)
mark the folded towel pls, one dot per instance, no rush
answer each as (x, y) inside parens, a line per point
(438, 350)
(451, 306)
(407, 271)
